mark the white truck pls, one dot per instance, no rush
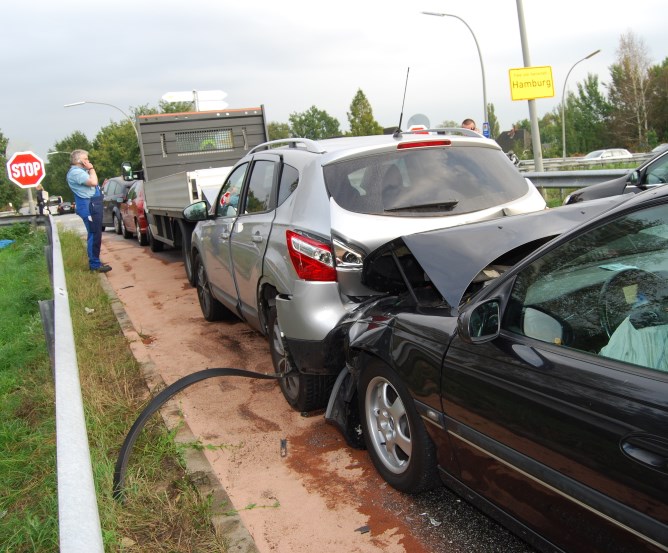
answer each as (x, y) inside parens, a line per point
(185, 158)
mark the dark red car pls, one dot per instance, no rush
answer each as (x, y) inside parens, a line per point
(133, 217)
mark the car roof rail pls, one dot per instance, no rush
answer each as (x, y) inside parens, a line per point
(306, 144)
(442, 130)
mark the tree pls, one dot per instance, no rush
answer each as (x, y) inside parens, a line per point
(658, 103)
(449, 124)
(494, 127)
(58, 163)
(9, 192)
(314, 124)
(588, 118)
(550, 134)
(175, 107)
(360, 117)
(114, 144)
(278, 130)
(629, 91)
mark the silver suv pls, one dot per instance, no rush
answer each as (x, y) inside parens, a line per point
(284, 245)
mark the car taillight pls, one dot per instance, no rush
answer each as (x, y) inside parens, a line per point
(313, 260)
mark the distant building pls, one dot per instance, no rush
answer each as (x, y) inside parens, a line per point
(516, 140)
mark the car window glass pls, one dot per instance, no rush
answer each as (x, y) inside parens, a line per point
(447, 180)
(657, 173)
(288, 184)
(228, 198)
(258, 193)
(604, 292)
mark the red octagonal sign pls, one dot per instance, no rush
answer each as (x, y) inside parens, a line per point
(25, 169)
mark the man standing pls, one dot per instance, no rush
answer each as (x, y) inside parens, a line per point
(40, 199)
(470, 124)
(82, 180)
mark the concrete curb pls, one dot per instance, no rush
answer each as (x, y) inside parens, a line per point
(229, 527)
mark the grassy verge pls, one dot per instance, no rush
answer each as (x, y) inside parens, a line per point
(162, 510)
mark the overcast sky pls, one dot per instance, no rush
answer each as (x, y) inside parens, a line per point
(294, 54)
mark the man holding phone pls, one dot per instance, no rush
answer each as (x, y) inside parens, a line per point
(82, 180)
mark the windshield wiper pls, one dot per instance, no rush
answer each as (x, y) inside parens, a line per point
(433, 206)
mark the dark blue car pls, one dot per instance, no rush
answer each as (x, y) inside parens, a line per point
(531, 377)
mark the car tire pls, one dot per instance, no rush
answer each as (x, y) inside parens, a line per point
(394, 434)
(303, 392)
(211, 308)
(116, 221)
(126, 233)
(186, 241)
(155, 245)
(142, 237)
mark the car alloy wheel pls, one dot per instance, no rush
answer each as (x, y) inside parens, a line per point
(142, 237)
(117, 224)
(395, 436)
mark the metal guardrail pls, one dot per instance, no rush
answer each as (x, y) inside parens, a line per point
(580, 163)
(573, 179)
(78, 516)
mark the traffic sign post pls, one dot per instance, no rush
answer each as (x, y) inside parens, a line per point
(25, 169)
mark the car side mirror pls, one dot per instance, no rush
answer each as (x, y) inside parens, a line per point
(196, 212)
(634, 178)
(126, 170)
(480, 322)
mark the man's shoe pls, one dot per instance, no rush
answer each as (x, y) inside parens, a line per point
(101, 269)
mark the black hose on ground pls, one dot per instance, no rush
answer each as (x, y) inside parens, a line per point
(156, 403)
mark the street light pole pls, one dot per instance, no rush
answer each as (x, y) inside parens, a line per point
(563, 104)
(482, 66)
(535, 131)
(134, 128)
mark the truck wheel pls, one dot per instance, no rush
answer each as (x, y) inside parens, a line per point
(303, 392)
(155, 245)
(117, 224)
(141, 236)
(126, 233)
(211, 308)
(394, 433)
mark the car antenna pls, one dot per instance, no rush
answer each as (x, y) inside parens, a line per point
(398, 131)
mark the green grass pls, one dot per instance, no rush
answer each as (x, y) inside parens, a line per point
(162, 510)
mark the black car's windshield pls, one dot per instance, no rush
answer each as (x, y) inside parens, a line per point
(450, 180)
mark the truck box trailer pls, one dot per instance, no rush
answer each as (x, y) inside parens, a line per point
(185, 158)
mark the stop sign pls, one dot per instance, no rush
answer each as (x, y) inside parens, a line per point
(25, 169)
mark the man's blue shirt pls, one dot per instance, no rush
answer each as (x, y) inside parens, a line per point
(76, 179)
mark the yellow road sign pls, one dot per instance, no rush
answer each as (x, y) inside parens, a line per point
(529, 83)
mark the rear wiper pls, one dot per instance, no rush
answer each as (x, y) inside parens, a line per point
(434, 206)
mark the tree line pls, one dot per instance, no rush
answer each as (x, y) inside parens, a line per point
(629, 111)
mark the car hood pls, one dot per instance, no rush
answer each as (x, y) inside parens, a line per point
(452, 258)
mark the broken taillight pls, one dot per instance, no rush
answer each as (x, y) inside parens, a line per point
(312, 259)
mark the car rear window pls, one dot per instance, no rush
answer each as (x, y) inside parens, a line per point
(425, 181)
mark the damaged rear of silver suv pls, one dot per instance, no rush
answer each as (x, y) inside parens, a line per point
(284, 245)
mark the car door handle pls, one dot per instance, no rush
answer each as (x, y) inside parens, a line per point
(648, 450)
(257, 238)
(224, 235)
